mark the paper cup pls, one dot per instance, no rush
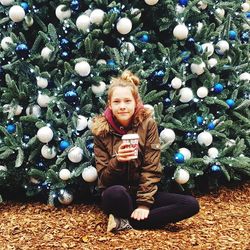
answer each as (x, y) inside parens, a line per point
(133, 140)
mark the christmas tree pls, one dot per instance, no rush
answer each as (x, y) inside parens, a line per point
(56, 61)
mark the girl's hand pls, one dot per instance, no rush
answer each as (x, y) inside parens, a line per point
(140, 213)
(125, 152)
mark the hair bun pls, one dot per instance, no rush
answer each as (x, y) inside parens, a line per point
(130, 77)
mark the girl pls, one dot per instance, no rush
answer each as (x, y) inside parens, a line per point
(129, 186)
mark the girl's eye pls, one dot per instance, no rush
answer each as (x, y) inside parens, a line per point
(115, 101)
(128, 101)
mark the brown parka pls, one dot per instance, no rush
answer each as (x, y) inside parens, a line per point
(139, 176)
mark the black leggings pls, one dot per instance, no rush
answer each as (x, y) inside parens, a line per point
(167, 207)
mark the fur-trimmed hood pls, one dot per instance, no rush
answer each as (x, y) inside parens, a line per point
(101, 127)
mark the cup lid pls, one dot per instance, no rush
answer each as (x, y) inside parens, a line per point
(130, 136)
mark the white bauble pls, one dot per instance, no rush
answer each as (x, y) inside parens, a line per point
(7, 2)
(29, 21)
(151, 108)
(43, 100)
(199, 27)
(202, 5)
(90, 123)
(46, 53)
(205, 138)
(82, 68)
(89, 174)
(33, 110)
(75, 154)
(41, 82)
(167, 135)
(60, 14)
(5, 43)
(124, 26)
(65, 197)
(221, 47)
(198, 69)
(179, 9)
(45, 134)
(245, 76)
(151, 2)
(99, 90)
(186, 153)
(47, 152)
(176, 83)
(245, 7)
(220, 12)
(82, 123)
(182, 176)
(213, 153)
(17, 110)
(83, 23)
(212, 62)
(64, 174)
(208, 48)
(97, 16)
(180, 31)
(128, 46)
(101, 61)
(34, 180)
(230, 143)
(16, 13)
(202, 92)
(186, 95)
(3, 168)
(136, 11)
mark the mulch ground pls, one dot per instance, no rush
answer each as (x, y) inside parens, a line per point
(223, 223)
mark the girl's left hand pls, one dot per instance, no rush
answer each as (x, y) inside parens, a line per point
(140, 213)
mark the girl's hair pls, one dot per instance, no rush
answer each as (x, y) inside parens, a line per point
(127, 79)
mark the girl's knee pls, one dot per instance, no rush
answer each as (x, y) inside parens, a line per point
(193, 204)
(115, 192)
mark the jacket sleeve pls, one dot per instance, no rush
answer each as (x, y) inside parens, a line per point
(108, 167)
(151, 169)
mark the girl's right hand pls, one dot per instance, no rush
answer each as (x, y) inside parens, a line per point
(125, 152)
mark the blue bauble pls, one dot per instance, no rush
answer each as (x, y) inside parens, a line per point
(25, 6)
(144, 38)
(215, 168)
(248, 15)
(75, 5)
(167, 102)
(185, 55)
(65, 43)
(183, 2)
(211, 125)
(232, 35)
(40, 165)
(26, 138)
(65, 55)
(179, 158)
(71, 97)
(64, 144)
(111, 62)
(22, 50)
(159, 73)
(199, 120)
(90, 147)
(230, 103)
(115, 10)
(245, 37)
(218, 87)
(11, 128)
(190, 43)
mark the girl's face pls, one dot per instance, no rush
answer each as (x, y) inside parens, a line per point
(123, 105)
